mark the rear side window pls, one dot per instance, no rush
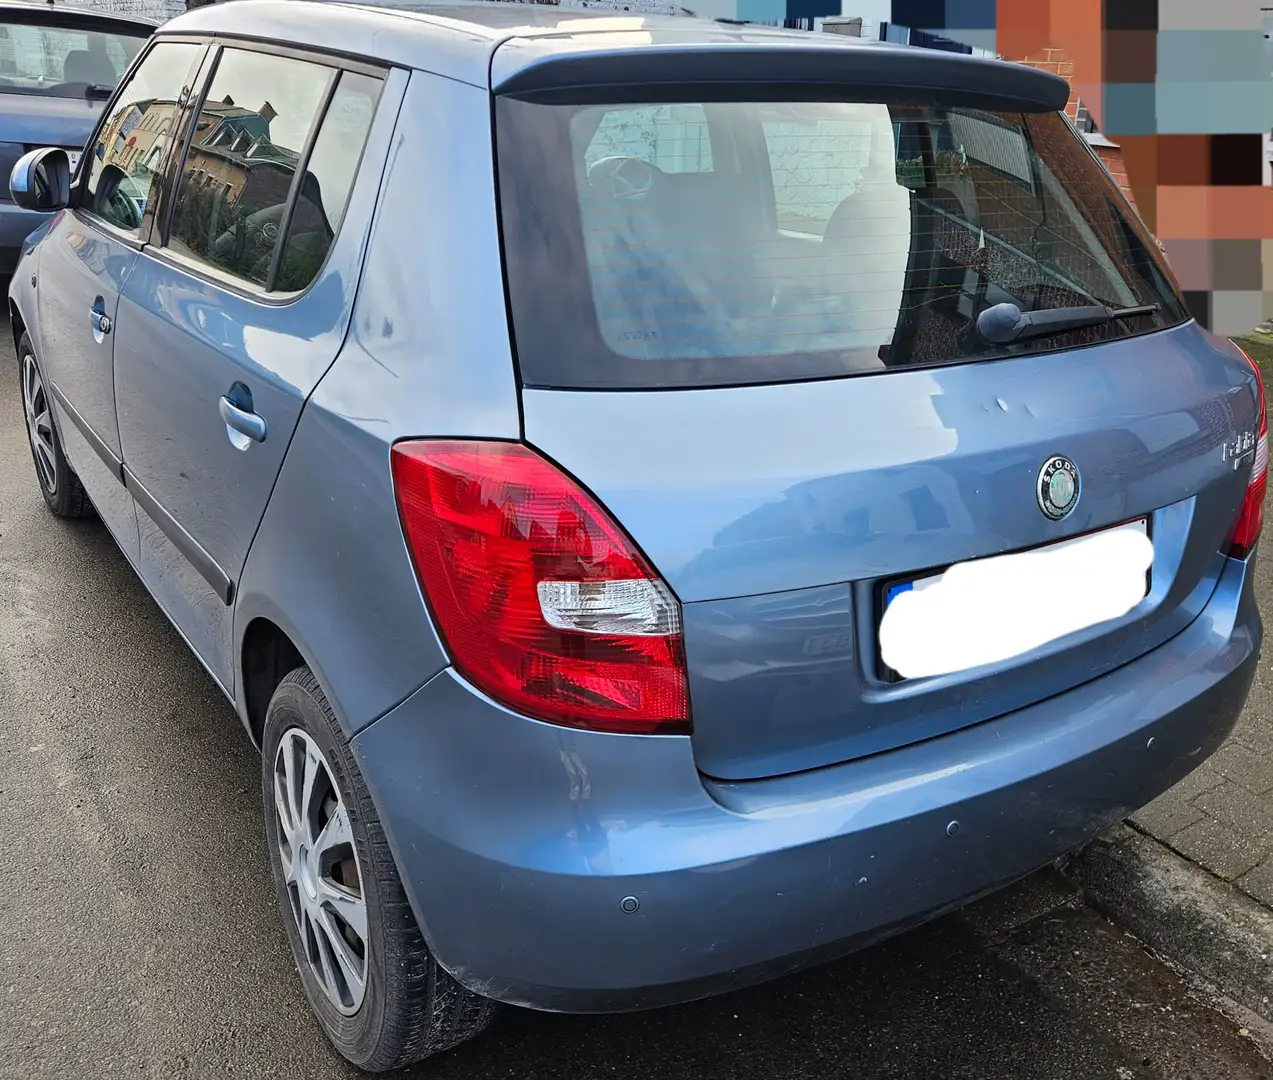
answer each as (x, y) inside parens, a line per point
(700, 244)
(253, 125)
(271, 162)
(126, 158)
(329, 178)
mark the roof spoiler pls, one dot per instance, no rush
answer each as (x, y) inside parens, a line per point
(809, 70)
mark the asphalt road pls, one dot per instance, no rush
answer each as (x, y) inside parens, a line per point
(139, 935)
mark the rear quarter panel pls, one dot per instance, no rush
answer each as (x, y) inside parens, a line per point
(428, 355)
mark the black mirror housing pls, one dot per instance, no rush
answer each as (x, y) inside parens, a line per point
(41, 180)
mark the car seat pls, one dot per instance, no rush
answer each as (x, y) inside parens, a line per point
(84, 66)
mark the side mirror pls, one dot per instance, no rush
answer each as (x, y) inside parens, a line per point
(41, 180)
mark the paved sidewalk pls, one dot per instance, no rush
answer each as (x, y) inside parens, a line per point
(1221, 815)
(1192, 877)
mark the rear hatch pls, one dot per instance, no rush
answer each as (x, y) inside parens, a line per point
(747, 321)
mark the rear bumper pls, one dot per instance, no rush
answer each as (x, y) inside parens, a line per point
(522, 845)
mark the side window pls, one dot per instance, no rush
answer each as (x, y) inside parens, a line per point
(252, 129)
(124, 161)
(329, 177)
(673, 138)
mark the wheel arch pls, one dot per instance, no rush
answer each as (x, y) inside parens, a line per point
(267, 654)
(17, 324)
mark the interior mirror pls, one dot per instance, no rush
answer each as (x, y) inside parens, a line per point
(41, 180)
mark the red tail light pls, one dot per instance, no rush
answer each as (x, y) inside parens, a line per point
(1246, 531)
(540, 598)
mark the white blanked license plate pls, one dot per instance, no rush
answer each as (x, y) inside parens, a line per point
(989, 610)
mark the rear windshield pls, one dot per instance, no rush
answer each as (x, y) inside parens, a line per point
(716, 243)
(62, 61)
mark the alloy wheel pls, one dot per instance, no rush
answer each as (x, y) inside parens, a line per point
(320, 868)
(35, 403)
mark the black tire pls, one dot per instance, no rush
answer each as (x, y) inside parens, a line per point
(65, 496)
(412, 1008)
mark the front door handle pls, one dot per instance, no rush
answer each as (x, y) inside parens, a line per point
(242, 420)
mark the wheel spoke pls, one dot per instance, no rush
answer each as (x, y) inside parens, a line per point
(287, 826)
(48, 471)
(352, 967)
(325, 947)
(308, 810)
(30, 385)
(289, 865)
(348, 905)
(336, 833)
(305, 920)
(288, 751)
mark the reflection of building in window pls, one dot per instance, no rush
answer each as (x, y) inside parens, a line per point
(230, 143)
(136, 135)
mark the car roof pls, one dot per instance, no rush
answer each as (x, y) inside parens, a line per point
(530, 47)
(72, 13)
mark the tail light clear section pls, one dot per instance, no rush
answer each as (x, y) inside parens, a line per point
(1250, 522)
(541, 599)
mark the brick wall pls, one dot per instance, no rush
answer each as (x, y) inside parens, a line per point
(159, 10)
(1112, 158)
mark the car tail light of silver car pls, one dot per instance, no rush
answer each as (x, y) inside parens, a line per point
(1246, 530)
(541, 599)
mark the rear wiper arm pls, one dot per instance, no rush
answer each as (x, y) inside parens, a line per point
(1005, 323)
(96, 90)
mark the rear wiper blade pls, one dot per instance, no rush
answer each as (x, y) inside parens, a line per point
(1005, 323)
(97, 91)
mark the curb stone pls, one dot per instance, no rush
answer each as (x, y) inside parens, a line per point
(1190, 918)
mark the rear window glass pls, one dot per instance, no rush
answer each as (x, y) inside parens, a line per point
(64, 61)
(699, 244)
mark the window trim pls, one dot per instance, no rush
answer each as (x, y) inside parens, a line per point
(190, 88)
(158, 245)
(313, 54)
(160, 209)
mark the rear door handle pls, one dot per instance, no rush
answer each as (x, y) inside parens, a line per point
(244, 421)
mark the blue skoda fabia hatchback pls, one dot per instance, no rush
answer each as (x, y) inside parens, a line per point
(673, 501)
